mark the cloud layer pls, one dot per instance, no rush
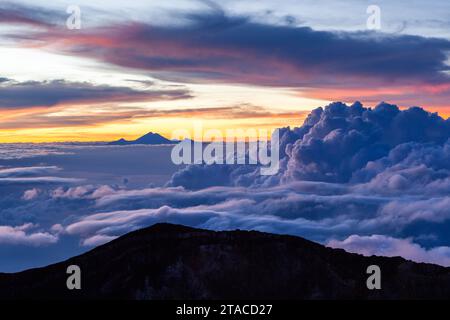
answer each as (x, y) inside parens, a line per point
(15, 95)
(374, 181)
(213, 46)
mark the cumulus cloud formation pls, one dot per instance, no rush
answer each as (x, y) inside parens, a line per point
(339, 141)
(343, 144)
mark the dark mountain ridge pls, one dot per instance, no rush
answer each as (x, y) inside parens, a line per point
(167, 261)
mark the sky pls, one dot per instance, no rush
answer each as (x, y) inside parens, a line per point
(364, 133)
(147, 66)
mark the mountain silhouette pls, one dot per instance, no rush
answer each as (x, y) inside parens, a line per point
(150, 138)
(167, 261)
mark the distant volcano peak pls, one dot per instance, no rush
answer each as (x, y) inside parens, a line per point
(150, 138)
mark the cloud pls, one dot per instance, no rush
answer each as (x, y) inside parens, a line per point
(31, 194)
(390, 247)
(33, 175)
(17, 14)
(97, 240)
(13, 151)
(38, 180)
(402, 212)
(110, 113)
(344, 144)
(71, 193)
(300, 208)
(339, 141)
(242, 51)
(21, 236)
(27, 171)
(14, 95)
(410, 167)
(365, 65)
(238, 42)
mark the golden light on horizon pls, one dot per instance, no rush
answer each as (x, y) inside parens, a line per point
(137, 128)
(131, 129)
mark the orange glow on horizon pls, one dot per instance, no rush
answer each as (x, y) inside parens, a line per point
(134, 128)
(137, 128)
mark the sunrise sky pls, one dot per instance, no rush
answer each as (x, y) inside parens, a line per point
(140, 66)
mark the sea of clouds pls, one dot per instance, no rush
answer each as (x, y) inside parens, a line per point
(369, 180)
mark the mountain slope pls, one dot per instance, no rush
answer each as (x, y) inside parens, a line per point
(176, 262)
(149, 138)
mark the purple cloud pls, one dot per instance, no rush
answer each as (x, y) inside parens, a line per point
(14, 95)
